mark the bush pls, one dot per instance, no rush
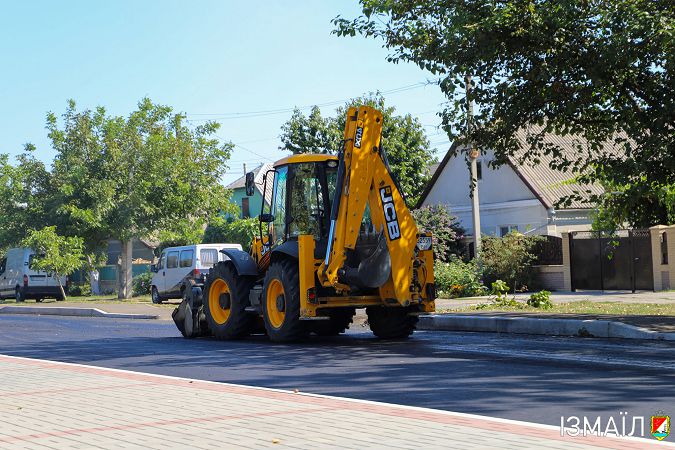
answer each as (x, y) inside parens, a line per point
(141, 284)
(232, 231)
(499, 297)
(445, 229)
(540, 300)
(458, 278)
(80, 290)
(509, 259)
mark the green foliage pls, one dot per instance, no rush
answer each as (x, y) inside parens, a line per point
(509, 258)
(54, 253)
(540, 300)
(600, 70)
(80, 290)
(403, 139)
(232, 231)
(24, 196)
(145, 175)
(457, 278)
(499, 297)
(141, 284)
(445, 228)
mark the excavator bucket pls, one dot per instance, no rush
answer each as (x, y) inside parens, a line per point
(373, 270)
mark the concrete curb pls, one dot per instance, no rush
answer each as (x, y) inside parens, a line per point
(531, 325)
(66, 311)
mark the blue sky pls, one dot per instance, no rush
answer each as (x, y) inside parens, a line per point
(209, 59)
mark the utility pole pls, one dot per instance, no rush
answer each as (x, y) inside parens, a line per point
(473, 157)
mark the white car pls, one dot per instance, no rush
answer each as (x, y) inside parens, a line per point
(18, 278)
(177, 265)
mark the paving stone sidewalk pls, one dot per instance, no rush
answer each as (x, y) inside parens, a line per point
(45, 404)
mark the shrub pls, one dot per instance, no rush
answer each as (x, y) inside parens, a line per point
(141, 284)
(540, 300)
(445, 229)
(499, 297)
(458, 278)
(509, 259)
(80, 290)
(232, 231)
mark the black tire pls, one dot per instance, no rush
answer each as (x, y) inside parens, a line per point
(233, 321)
(154, 293)
(18, 296)
(392, 322)
(340, 319)
(283, 326)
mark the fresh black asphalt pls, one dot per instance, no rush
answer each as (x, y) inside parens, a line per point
(536, 379)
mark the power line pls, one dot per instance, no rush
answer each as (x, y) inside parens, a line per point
(269, 112)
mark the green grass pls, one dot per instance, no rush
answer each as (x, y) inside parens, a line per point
(613, 308)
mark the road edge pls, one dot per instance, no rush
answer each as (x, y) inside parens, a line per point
(540, 326)
(71, 312)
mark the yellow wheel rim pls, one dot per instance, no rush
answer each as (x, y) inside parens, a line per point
(273, 302)
(218, 313)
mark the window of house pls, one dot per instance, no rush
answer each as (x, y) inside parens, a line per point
(664, 248)
(172, 260)
(479, 169)
(208, 257)
(245, 212)
(506, 229)
(186, 257)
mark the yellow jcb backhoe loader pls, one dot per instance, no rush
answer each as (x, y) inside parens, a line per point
(338, 236)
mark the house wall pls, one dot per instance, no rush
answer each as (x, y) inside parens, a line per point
(504, 198)
(254, 202)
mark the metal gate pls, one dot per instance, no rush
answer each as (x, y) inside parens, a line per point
(618, 260)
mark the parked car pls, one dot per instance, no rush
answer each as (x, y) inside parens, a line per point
(20, 280)
(179, 267)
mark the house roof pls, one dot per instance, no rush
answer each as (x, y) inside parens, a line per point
(259, 172)
(548, 185)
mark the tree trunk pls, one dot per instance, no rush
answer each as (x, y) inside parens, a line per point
(126, 274)
(58, 280)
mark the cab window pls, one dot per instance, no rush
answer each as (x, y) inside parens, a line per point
(307, 212)
(186, 257)
(3, 265)
(278, 226)
(172, 260)
(160, 264)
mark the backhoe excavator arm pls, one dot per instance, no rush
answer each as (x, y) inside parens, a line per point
(364, 179)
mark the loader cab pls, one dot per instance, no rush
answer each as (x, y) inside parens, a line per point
(303, 188)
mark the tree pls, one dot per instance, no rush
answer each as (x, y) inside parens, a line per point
(601, 70)
(24, 196)
(403, 139)
(234, 231)
(444, 228)
(146, 175)
(57, 254)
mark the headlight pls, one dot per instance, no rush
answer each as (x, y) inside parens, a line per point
(424, 243)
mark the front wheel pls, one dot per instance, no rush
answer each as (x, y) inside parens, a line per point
(225, 302)
(281, 302)
(156, 299)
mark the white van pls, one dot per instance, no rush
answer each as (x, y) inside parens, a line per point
(19, 280)
(178, 264)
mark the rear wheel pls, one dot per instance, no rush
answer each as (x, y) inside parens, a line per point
(225, 302)
(156, 299)
(340, 319)
(281, 302)
(391, 323)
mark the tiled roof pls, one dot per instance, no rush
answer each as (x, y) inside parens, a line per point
(548, 184)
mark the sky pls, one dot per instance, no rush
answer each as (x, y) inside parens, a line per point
(243, 64)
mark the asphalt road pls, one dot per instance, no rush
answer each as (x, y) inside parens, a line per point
(529, 378)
